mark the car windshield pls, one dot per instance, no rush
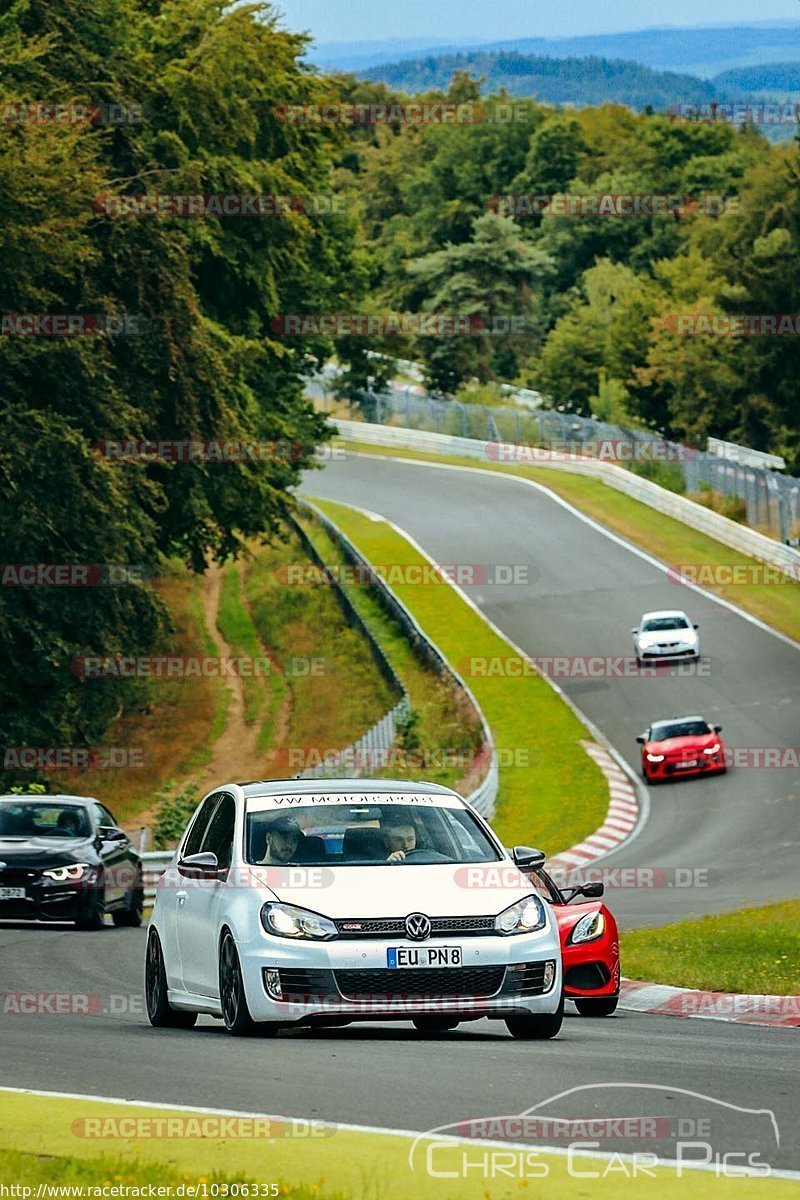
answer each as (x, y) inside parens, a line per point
(37, 819)
(678, 729)
(364, 834)
(659, 624)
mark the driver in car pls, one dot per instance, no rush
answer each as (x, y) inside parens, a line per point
(399, 840)
(283, 840)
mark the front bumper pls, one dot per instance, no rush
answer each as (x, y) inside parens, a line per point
(500, 977)
(591, 969)
(44, 900)
(707, 764)
(652, 654)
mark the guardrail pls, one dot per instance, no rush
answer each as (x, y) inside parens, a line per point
(772, 500)
(696, 516)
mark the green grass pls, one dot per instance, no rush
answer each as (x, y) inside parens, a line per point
(334, 690)
(664, 537)
(749, 951)
(446, 722)
(38, 1146)
(551, 793)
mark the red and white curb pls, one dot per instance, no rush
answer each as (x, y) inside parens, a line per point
(621, 819)
(667, 1001)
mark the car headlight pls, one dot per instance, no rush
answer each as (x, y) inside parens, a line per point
(525, 916)
(713, 749)
(289, 921)
(655, 757)
(70, 873)
(592, 926)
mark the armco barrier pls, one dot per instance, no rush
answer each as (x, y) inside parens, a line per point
(696, 516)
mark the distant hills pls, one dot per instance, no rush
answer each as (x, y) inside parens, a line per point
(576, 81)
(703, 51)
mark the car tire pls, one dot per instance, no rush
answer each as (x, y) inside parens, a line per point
(597, 1006)
(233, 1000)
(435, 1024)
(130, 917)
(536, 1026)
(160, 1012)
(92, 908)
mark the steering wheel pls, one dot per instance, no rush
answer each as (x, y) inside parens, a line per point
(431, 856)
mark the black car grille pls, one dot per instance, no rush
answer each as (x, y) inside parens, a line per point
(587, 976)
(454, 981)
(301, 981)
(526, 979)
(395, 927)
(17, 877)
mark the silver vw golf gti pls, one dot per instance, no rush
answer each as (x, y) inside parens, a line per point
(331, 901)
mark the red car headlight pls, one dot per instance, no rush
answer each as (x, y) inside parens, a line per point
(588, 929)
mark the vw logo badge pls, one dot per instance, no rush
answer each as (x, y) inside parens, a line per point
(418, 927)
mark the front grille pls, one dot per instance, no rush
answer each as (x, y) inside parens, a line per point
(16, 877)
(300, 981)
(455, 981)
(395, 927)
(587, 976)
(526, 979)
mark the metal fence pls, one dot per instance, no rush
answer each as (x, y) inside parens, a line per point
(771, 499)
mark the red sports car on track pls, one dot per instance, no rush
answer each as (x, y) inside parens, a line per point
(681, 746)
(589, 944)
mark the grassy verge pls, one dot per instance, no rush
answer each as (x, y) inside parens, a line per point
(193, 710)
(334, 690)
(38, 1146)
(665, 538)
(551, 793)
(748, 952)
(447, 741)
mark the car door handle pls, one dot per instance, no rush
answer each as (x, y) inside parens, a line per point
(181, 896)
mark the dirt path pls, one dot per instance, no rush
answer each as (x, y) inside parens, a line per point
(235, 755)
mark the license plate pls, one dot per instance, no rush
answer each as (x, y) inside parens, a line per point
(684, 766)
(398, 957)
(9, 893)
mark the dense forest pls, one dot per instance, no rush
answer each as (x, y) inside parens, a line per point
(105, 99)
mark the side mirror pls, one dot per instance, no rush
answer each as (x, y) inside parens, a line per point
(593, 890)
(696, 626)
(110, 833)
(717, 729)
(634, 632)
(528, 859)
(199, 866)
(641, 739)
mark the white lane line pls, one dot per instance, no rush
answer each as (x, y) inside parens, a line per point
(408, 1134)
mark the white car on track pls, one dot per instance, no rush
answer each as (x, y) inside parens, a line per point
(666, 636)
(329, 901)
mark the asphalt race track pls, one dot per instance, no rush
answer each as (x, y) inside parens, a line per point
(588, 592)
(737, 835)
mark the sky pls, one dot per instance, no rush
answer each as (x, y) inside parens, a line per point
(458, 20)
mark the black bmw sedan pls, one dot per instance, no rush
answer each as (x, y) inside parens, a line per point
(63, 858)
